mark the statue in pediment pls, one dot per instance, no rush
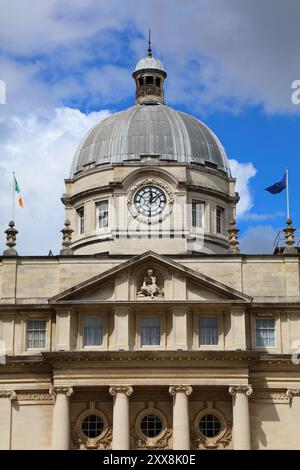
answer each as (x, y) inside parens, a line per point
(149, 287)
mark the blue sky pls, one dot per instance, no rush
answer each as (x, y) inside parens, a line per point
(67, 64)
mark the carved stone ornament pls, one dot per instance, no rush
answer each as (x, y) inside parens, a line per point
(233, 241)
(11, 239)
(67, 239)
(149, 288)
(121, 389)
(34, 396)
(11, 394)
(153, 182)
(83, 442)
(141, 441)
(246, 389)
(187, 389)
(292, 392)
(65, 390)
(221, 440)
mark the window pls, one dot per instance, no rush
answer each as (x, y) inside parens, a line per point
(149, 80)
(92, 332)
(265, 333)
(208, 331)
(102, 214)
(80, 214)
(220, 219)
(157, 82)
(210, 425)
(151, 425)
(150, 331)
(36, 334)
(197, 214)
(92, 426)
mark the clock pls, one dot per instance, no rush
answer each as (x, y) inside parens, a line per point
(150, 201)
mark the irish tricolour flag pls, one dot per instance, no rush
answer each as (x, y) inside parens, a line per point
(18, 191)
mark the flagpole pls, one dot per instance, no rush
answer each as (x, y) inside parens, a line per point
(287, 194)
(13, 198)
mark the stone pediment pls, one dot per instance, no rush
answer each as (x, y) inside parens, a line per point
(150, 278)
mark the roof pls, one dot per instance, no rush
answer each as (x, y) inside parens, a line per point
(149, 63)
(156, 130)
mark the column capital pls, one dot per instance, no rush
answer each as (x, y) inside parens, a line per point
(187, 389)
(292, 392)
(64, 390)
(246, 389)
(121, 389)
(11, 394)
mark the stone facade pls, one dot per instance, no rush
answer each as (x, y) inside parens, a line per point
(230, 378)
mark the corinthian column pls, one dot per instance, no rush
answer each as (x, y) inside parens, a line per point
(121, 424)
(241, 421)
(61, 417)
(6, 396)
(181, 428)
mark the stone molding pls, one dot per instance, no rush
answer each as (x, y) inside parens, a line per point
(269, 395)
(246, 389)
(11, 394)
(121, 389)
(68, 391)
(34, 396)
(187, 389)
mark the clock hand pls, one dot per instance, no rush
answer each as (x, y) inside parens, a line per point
(152, 197)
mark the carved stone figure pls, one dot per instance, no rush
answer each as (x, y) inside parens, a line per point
(149, 287)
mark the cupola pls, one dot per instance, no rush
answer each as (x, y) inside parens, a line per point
(149, 76)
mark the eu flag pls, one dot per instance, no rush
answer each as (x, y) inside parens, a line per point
(277, 187)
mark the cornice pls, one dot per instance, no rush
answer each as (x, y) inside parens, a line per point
(177, 357)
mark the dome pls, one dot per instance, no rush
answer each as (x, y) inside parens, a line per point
(150, 130)
(149, 63)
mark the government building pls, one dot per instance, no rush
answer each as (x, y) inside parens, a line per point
(150, 330)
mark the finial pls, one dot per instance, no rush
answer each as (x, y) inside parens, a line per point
(67, 239)
(289, 236)
(233, 238)
(11, 238)
(149, 54)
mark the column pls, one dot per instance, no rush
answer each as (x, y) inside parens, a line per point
(121, 424)
(293, 394)
(61, 417)
(6, 397)
(241, 422)
(181, 427)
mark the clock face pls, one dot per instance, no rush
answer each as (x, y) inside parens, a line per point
(150, 201)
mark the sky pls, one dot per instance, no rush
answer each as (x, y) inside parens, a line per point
(67, 64)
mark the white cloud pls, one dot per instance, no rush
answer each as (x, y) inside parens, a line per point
(254, 217)
(243, 172)
(221, 54)
(40, 148)
(258, 239)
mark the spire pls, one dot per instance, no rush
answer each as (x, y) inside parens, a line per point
(11, 238)
(149, 54)
(67, 239)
